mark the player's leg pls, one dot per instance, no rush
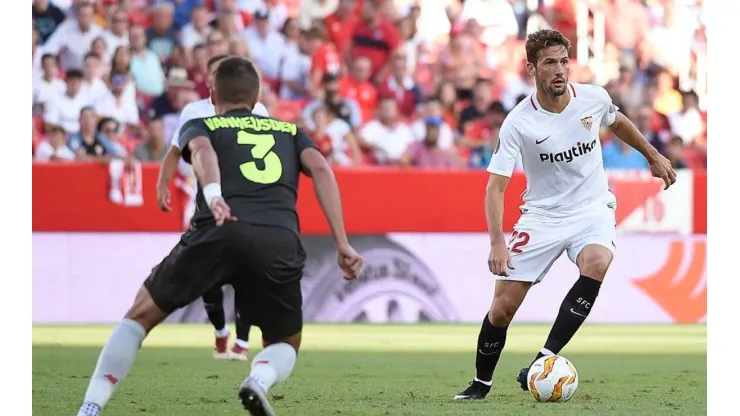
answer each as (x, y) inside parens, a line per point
(531, 261)
(270, 297)
(175, 282)
(118, 354)
(240, 350)
(592, 251)
(213, 300)
(270, 367)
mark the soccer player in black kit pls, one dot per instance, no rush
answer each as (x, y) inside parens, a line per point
(245, 233)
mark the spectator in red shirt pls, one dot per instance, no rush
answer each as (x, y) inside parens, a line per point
(401, 86)
(483, 131)
(374, 37)
(324, 58)
(340, 25)
(357, 87)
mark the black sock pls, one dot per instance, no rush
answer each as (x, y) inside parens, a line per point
(491, 340)
(573, 312)
(214, 303)
(242, 328)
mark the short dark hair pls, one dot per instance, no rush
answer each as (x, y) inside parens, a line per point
(214, 60)
(496, 108)
(483, 80)
(47, 56)
(237, 81)
(543, 39)
(74, 73)
(433, 98)
(690, 93)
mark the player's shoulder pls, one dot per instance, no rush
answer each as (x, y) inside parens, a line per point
(196, 121)
(198, 109)
(521, 113)
(589, 92)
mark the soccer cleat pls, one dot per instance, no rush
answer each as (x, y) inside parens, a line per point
(522, 378)
(239, 353)
(221, 350)
(254, 399)
(475, 391)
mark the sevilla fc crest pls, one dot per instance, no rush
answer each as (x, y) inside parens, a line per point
(587, 122)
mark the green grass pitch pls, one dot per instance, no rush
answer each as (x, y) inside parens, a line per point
(382, 370)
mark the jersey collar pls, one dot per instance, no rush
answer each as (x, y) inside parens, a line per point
(538, 107)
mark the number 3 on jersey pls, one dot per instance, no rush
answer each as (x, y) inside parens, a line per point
(262, 150)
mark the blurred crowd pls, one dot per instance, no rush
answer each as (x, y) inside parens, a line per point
(374, 82)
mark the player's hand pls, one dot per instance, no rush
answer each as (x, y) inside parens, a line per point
(163, 198)
(221, 211)
(661, 168)
(499, 261)
(349, 261)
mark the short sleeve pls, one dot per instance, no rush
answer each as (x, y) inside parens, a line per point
(507, 151)
(303, 142)
(185, 116)
(192, 129)
(610, 113)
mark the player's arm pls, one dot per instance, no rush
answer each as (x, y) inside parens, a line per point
(623, 128)
(501, 168)
(167, 170)
(327, 192)
(168, 167)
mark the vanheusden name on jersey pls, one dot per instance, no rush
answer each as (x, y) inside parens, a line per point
(254, 123)
(567, 156)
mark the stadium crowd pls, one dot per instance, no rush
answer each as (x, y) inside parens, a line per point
(374, 82)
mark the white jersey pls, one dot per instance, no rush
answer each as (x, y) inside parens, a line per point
(204, 108)
(560, 153)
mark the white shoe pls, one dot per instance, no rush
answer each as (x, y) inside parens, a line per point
(254, 399)
(239, 353)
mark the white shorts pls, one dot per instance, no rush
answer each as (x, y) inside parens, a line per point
(538, 241)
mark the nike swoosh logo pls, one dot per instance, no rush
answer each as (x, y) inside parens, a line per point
(540, 141)
(576, 313)
(483, 353)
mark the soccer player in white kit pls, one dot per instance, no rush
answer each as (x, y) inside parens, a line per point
(568, 206)
(214, 300)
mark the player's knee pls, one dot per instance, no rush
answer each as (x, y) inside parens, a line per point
(595, 264)
(502, 312)
(293, 340)
(145, 311)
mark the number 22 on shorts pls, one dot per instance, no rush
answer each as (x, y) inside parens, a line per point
(517, 241)
(262, 150)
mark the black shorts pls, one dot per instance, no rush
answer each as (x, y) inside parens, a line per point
(264, 265)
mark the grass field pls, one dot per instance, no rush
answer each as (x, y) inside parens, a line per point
(382, 370)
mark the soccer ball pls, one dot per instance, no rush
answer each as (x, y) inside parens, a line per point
(552, 378)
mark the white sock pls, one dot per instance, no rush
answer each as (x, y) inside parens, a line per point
(242, 343)
(273, 365)
(223, 332)
(115, 361)
(546, 352)
(487, 383)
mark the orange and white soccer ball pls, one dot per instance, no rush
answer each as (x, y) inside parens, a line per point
(552, 378)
